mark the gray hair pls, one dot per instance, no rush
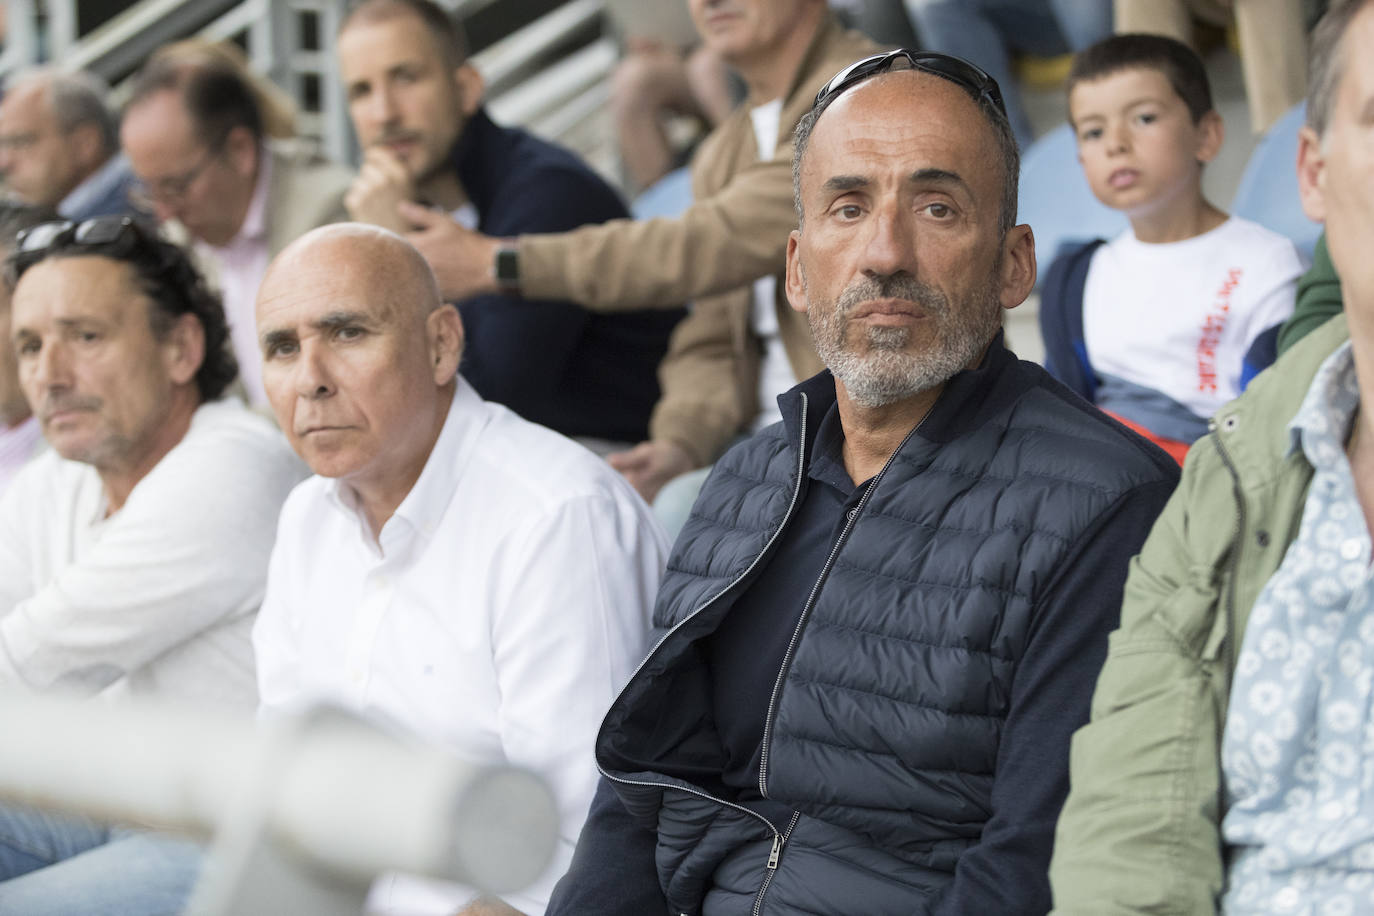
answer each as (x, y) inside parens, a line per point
(1006, 146)
(75, 97)
(1326, 61)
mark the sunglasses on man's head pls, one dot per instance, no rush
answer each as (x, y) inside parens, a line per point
(120, 234)
(957, 70)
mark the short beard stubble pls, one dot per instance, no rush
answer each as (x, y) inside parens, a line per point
(885, 371)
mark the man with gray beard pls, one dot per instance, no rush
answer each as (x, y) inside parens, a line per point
(886, 613)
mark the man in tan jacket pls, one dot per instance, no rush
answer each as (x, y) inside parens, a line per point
(739, 331)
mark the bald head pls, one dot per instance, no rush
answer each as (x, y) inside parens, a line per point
(367, 254)
(360, 354)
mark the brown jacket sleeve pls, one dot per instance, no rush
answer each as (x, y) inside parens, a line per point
(729, 237)
(707, 378)
(727, 240)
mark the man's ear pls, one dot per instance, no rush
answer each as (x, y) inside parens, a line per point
(1311, 174)
(88, 142)
(184, 348)
(1018, 267)
(241, 149)
(444, 329)
(471, 87)
(795, 282)
(1211, 135)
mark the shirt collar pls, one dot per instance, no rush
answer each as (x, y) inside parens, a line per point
(481, 154)
(254, 221)
(1322, 424)
(254, 226)
(424, 506)
(827, 457)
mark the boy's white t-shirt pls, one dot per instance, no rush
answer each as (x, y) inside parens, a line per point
(1179, 317)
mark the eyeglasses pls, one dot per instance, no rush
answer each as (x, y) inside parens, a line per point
(955, 69)
(172, 189)
(120, 234)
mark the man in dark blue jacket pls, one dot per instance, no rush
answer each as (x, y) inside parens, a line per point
(432, 156)
(886, 614)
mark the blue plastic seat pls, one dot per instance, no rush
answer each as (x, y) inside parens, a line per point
(668, 196)
(1268, 191)
(1056, 201)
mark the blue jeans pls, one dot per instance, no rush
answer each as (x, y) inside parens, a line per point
(986, 31)
(60, 865)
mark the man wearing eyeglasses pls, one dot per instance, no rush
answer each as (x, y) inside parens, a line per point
(59, 145)
(194, 135)
(133, 555)
(886, 613)
(740, 346)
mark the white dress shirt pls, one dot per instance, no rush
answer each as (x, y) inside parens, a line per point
(158, 596)
(501, 609)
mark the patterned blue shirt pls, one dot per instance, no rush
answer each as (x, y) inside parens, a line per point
(1298, 751)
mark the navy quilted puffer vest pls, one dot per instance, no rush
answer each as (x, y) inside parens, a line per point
(879, 753)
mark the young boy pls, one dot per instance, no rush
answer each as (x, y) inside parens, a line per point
(1165, 323)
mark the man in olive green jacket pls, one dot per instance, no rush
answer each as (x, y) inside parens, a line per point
(1141, 831)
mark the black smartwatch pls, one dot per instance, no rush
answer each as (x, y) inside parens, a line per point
(507, 270)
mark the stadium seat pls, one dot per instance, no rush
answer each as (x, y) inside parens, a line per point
(1056, 201)
(1268, 191)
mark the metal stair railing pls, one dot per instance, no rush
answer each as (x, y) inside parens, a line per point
(549, 74)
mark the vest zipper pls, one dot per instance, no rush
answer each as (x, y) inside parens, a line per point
(852, 517)
(791, 507)
(778, 842)
(778, 839)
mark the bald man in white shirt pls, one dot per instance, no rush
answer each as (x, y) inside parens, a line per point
(478, 579)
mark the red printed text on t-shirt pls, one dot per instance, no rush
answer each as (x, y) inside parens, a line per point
(1212, 327)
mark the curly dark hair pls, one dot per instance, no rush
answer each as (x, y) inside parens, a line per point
(15, 217)
(165, 275)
